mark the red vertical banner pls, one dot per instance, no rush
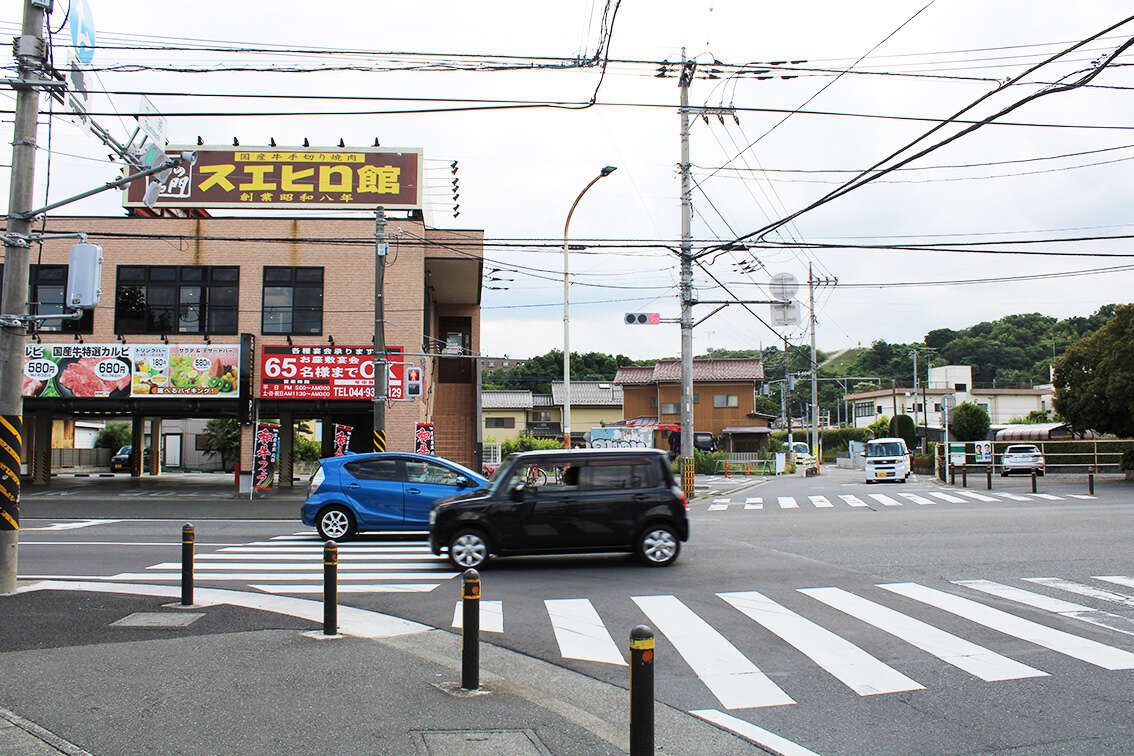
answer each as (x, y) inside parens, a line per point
(265, 450)
(423, 439)
(342, 438)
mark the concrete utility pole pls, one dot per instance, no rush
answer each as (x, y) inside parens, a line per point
(381, 367)
(814, 369)
(687, 69)
(30, 58)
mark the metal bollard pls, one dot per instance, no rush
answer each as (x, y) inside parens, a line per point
(964, 477)
(1091, 483)
(641, 691)
(988, 478)
(188, 539)
(470, 630)
(330, 588)
(1033, 481)
(952, 475)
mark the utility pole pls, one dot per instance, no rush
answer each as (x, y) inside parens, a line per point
(30, 58)
(788, 386)
(687, 69)
(381, 367)
(814, 369)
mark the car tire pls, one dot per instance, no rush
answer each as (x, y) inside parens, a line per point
(1004, 474)
(869, 482)
(335, 523)
(468, 549)
(658, 545)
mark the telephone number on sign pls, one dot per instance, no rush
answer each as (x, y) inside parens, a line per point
(353, 392)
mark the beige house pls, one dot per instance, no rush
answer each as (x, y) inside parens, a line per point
(511, 414)
(593, 405)
(504, 414)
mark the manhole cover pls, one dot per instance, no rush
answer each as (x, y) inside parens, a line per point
(482, 742)
(158, 619)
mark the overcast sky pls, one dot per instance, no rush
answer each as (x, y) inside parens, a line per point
(520, 169)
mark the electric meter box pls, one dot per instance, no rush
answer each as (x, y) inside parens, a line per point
(84, 277)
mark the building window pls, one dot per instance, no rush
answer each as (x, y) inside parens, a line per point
(864, 410)
(176, 299)
(47, 288)
(671, 408)
(653, 402)
(696, 397)
(984, 406)
(541, 416)
(936, 407)
(962, 387)
(199, 441)
(878, 410)
(499, 422)
(293, 300)
(456, 333)
(726, 400)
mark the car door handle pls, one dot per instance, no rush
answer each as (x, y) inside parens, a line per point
(354, 485)
(413, 490)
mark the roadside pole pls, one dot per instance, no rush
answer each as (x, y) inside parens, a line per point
(29, 48)
(687, 69)
(381, 367)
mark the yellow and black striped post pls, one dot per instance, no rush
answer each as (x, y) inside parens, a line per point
(10, 445)
(470, 630)
(641, 691)
(379, 440)
(687, 477)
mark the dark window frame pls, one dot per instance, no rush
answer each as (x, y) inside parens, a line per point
(167, 304)
(295, 278)
(56, 278)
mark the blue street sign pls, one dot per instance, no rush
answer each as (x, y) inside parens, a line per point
(82, 31)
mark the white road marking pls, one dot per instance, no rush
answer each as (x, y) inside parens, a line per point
(915, 498)
(348, 588)
(854, 501)
(733, 679)
(491, 616)
(977, 496)
(313, 574)
(947, 497)
(73, 525)
(962, 654)
(858, 670)
(1085, 590)
(1048, 497)
(1082, 496)
(581, 633)
(344, 556)
(1116, 579)
(317, 548)
(1075, 646)
(718, 504)
(758, 735)
(298, 566)
(1049, 604)
(787, 502)
(884, 499)
(1012, 496)
(754, 502)
(821, 502)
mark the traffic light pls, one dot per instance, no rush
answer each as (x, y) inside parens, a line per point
(413, 382)
(642, 318)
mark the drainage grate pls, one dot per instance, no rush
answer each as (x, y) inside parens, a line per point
(482, 742)
(158, 619)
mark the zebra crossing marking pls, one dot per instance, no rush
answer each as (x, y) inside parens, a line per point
(754, 502)
(491, 616)
(787, 502)
(947, 497)
(1082, 496)
(1085, 590)
(293, 566)
(346, 588)
(1054, 605)
(951, 649)
(821, 502)
(858, 670)
(580, 631)
(1116, 579)
(718, 505)
(977, 496)
(758, 735)
(316, 573)
(885, 500)
(1075, 646)
(915, 498)
(735, 681)
(1012, 496)
(1048, 497)
(853, 500)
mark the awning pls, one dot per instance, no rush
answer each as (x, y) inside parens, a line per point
(747, 430)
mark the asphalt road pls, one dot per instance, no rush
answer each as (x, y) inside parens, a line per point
(886, 619)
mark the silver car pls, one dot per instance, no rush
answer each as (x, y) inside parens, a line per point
(1024, 458)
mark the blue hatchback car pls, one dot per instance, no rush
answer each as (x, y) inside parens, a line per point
(381, 491)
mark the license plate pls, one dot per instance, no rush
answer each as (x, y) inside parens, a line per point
(884, 474)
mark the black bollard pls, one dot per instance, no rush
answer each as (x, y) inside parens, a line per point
(1033, 481)
(330, 588)
(988, 478)
(188, 539)
(470, 630)
(641, 691)
(964, 477)
(952, 475)
(1091, 483)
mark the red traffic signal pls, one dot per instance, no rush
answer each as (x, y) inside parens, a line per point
(642, 318)
(413, 381)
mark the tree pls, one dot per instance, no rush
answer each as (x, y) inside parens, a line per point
(767, 405)
(1094, 381)
(903, 427)
(222, 436)
(113, 436)
(969, 423)
(879, 427)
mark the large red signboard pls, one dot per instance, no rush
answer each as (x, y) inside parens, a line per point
(326, 372)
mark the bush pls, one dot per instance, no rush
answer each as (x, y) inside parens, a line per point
(307, 450)
(1128, 460)
(528, 443)
(114, 436)
(880, 427)
(969, 423)
(834, 440)
(706, 462)
(902, 426)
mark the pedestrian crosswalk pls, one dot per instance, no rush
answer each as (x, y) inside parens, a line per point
(698, 635)
(293, 564)
(897, 499)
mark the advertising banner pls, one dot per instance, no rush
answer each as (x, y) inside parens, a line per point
(122, 371)
(423, 439)
(342, 438)
(289, 177)
(265, 448)
(621, 437)
(326, 372)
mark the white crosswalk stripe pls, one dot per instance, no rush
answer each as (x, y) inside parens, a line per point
(962, 654)
(1071, 645)
(1047, 496)
(853, 500)
(787, 502)
(580, 632)
(728, 674)
(915, 498)
(947, 497)
(975, 495)
(1012, 496)
(718, 505)
(857, 669)
(1049, 604)
(1116, 579)
(821, 502)
(491, 616)
(885, 500)
(1085, 590)
(754, 502)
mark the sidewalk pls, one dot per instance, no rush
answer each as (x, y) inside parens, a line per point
(113, 673)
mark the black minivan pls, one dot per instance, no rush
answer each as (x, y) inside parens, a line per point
(567, 501)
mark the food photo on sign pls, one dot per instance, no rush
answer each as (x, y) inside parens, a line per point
(186, 370)
(85, 371)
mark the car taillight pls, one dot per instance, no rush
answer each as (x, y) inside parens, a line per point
(315, 482)
(684, 501)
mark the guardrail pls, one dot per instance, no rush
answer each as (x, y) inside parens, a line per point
(732, 467)
(1095, 456)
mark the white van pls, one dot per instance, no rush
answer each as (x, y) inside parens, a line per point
(887, 459)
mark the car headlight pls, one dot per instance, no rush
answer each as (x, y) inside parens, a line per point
(432, 517)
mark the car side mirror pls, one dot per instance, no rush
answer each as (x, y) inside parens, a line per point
(464, 482)
(516, 492)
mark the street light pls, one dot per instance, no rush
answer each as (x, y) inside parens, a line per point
(567, 315)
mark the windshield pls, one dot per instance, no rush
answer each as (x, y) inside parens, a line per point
(891, 449)
(503, 470)
(1021, 450)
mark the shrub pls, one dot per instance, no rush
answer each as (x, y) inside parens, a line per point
(1128, 460)
(307, 450)
(969, 423)
(880, 427)
(114, 436)
(528, 443)
(902, 426)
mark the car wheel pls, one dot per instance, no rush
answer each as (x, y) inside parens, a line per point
(869, 482)
(468, 549)
(1004, 474)
(658, 545)
(335, 524)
